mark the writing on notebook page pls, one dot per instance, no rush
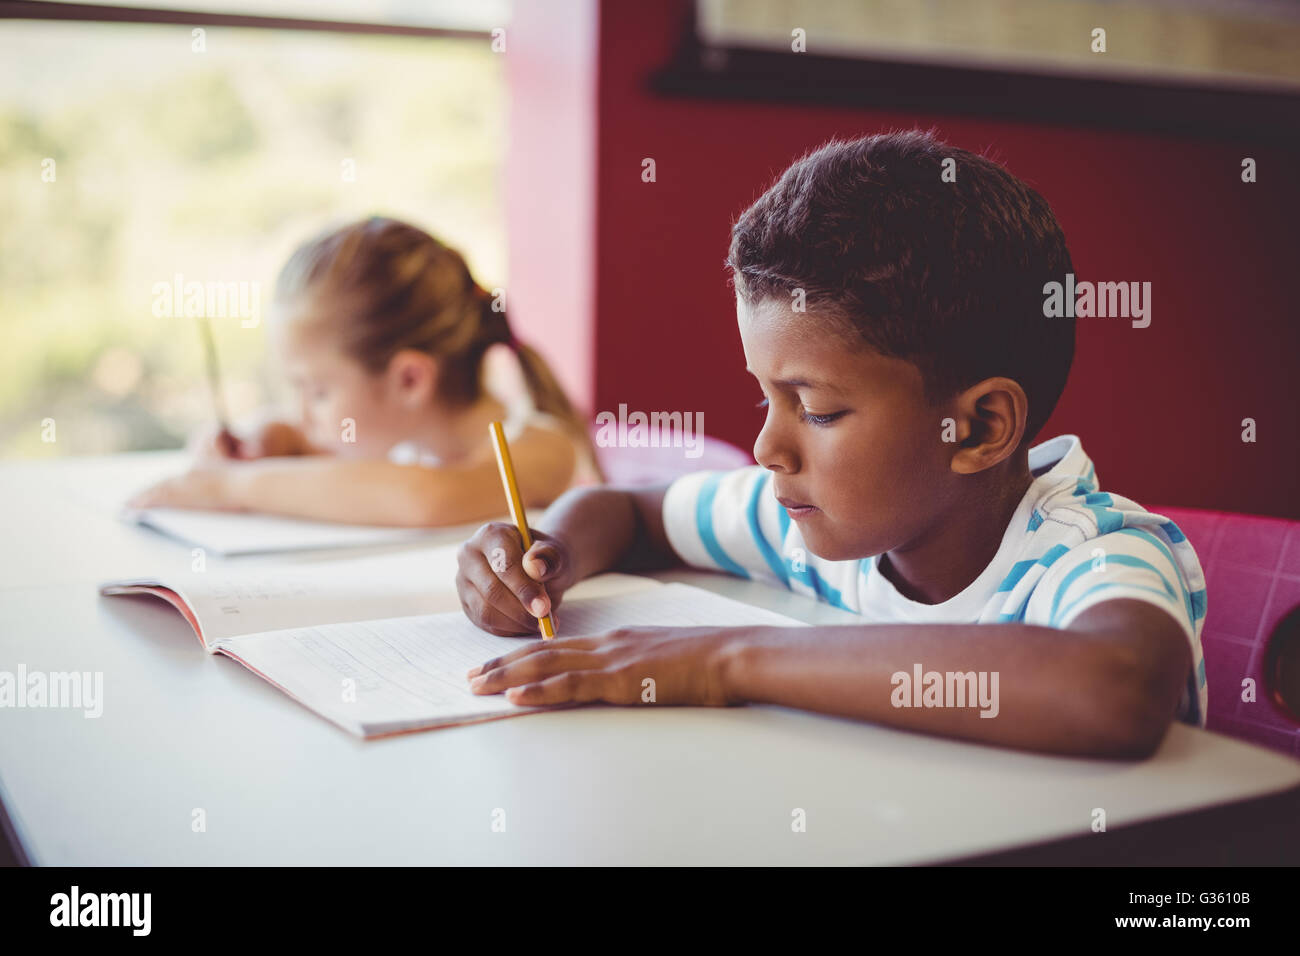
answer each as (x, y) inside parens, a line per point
(266, 589)
(230, 593)
(385, 676)
(400, 654)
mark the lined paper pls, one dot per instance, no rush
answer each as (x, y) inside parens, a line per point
(377, 677)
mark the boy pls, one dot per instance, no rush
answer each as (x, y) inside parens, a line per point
(895, 324)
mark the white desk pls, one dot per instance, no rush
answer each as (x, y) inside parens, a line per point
(279, 785)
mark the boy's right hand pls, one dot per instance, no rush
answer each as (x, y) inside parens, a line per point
(498, 582)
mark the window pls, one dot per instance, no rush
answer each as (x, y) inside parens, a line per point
(131, 154)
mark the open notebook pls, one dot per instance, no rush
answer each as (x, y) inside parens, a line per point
(226, 601)
(227, 533)
(398, 674)
(229, 601)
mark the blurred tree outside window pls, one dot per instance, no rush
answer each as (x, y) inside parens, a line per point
(128, 158)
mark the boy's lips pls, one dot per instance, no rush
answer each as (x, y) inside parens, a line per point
(796, 509)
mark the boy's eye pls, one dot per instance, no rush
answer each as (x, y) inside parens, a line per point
(819, 419)
(807, 416)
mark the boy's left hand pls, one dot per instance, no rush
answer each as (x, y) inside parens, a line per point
(203, 486)
(683, 665)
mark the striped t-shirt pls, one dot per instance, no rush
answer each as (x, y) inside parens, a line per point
(1068, 546)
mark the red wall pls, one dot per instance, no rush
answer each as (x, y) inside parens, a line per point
(551, 70)
(1159, 409)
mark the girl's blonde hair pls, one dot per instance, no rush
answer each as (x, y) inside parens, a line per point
(390, 286)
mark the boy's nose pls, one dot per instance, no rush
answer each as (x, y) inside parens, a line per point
(773, 453)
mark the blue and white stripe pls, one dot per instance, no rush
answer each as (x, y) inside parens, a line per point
(1069, 547)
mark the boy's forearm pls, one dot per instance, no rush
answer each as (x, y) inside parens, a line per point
(605, 529)
(1056, 691)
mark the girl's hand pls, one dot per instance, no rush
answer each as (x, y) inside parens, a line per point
(502, 589)
(276, 439)
(204, 487)
(632, 665)
(218, 444)
(273, 439)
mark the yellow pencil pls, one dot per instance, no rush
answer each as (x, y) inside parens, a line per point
(224, 434)
(511, 487)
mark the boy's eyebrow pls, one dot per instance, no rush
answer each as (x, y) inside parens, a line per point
(800, 382)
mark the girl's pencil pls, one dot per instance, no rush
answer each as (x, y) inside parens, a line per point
(214, 384)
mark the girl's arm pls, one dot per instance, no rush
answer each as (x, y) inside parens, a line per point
(268, 440)
(276, 438)
(361, 491)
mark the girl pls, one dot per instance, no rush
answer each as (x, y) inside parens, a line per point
(383, 333)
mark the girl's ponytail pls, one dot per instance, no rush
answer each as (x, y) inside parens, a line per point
(544, 388)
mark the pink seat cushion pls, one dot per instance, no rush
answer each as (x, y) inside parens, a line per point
(1252, 580)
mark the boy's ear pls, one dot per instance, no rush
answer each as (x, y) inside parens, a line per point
(991, 417)
(412, 376)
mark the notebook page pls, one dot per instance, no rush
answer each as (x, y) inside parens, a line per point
(228, 601)
(230, 533)
(377, 677)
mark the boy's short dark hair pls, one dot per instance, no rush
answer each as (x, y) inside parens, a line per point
(948, 275)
